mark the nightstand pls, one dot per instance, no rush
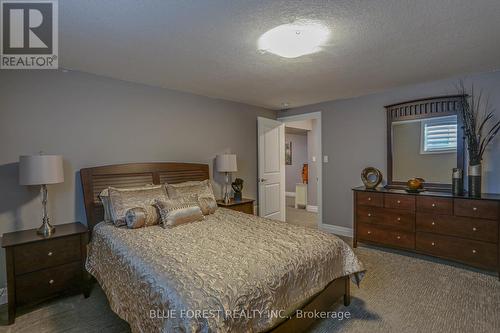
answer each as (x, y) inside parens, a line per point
(244, 205)
(40, 268)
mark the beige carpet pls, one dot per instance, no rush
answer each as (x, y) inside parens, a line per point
(300, 216)
(401, 293)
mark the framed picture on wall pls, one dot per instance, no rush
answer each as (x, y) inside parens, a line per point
(288, 153)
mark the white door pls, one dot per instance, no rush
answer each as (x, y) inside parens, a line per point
(271, 180)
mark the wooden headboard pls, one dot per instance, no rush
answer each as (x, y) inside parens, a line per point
(95, 179)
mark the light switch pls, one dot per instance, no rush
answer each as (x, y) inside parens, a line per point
(325, 158)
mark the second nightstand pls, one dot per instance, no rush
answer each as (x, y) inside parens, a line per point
(244, 205)
(39, 268)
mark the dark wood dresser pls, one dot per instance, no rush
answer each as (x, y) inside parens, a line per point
(433, 223)
(39, 268)
(243, 205)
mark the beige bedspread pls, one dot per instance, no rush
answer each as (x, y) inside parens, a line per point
(230, 273)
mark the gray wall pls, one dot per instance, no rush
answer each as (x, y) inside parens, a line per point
(354, 137)
(93, 121)
(408, 162)
(293, 173)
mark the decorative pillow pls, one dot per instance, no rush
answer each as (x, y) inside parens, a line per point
(124, 199)
(174, 212)
(139, 217)
(104, 197)
(202, 189)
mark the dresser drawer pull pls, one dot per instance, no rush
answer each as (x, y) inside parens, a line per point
(474, 251)
(51, 281)
(369, 214)
(398, 237)
(433, 223)
(399, 219)
(369, 232)
(474, 229)
(433, 244)
(50, 254)
(399, 201)
(433, 205)
(474, 208)
(369, 199)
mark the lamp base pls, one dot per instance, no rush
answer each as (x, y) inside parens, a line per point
(46, 229)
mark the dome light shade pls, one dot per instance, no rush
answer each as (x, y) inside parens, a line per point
(295, 39)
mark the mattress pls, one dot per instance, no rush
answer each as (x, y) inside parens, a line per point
(232, 272)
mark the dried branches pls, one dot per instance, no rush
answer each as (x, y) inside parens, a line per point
(476, 115)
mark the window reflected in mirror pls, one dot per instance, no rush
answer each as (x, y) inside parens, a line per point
(425, 148)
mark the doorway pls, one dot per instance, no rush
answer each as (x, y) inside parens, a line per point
(304, 201)
(301, 173)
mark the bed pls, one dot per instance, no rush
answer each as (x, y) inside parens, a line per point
(232, 272)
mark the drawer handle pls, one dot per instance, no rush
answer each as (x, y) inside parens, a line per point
(433, 244)
(474, 208)
(433, 223)
(50, 254)
(433, 205)
(474, 251)
(369, 214)
(399, 219)
(369, 232)
(398, 237)
(51, 281)
(399, 201)
(474, 229)
(369, 199)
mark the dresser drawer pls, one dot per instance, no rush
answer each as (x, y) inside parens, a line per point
(385, 236)
(35, 256)
(435, 205)
(466, 227)
(48, 282)
(370, 199)
(476, 253)
(476, 208)
(401, 219)
(399, 201)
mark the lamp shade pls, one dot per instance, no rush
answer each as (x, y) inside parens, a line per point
(226, 163)
(40, 169)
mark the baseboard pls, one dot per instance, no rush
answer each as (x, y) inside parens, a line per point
(338, 230)
(3, 298)
(311, 208)
(290, 194)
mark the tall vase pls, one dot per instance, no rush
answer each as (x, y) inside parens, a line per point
(475, 180)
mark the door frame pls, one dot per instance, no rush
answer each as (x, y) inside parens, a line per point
(316, 116)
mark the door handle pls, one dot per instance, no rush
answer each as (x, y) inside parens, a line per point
(263, 180)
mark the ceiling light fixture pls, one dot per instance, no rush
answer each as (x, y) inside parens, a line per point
(295, 39)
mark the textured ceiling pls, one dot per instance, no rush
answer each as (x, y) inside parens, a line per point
(208, 47)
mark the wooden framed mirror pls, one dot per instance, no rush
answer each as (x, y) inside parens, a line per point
(424, 139)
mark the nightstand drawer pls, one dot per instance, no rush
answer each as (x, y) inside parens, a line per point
(49, 253)
(244, 208)
(48, 282)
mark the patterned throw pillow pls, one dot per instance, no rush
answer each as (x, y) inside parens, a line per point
(140, 217)
(202, 189)
(104, 197)
(122, 200)
(174, 212)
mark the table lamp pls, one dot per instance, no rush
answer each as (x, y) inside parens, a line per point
(41, 170)
(226, 163)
